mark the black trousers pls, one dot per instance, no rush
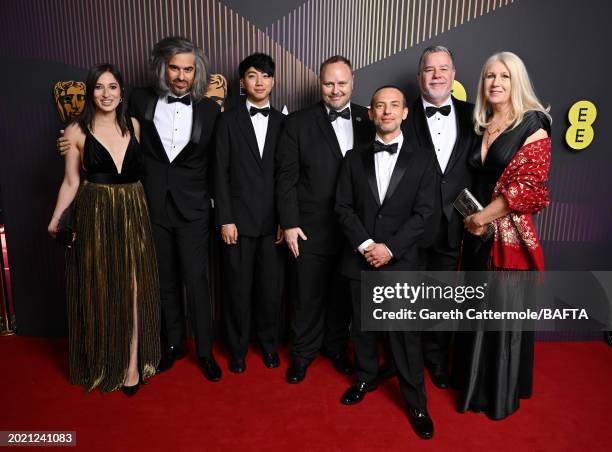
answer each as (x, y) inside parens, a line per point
(364, 342)
(253, 283)
(405, 349)
(321, 306)
(407, 352)
(182, 261)
(439, 257)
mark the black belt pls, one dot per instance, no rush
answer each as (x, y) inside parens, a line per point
(110, 178)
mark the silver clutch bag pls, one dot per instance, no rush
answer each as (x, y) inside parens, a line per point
(467, 204)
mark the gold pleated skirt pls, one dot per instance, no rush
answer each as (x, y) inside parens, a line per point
(113, 248)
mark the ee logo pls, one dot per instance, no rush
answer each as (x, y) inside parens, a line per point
(458, 91)
(581, 117)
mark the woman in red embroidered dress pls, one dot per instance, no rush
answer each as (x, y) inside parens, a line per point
(495, 369)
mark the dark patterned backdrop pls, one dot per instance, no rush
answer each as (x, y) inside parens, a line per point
(44, 41)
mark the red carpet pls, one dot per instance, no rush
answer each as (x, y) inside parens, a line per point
(181, 411)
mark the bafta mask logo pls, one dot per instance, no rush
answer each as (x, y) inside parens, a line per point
(217, 89)
(69, 99)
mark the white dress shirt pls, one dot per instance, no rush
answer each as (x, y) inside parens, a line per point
(344, 130)
(443, 131)
(260, 125)
(173, 123)
(384, 164)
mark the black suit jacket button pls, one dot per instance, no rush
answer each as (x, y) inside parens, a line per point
(379, 216)
(443, 181)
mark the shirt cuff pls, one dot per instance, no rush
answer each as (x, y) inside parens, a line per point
(390, 253)
(361, 248)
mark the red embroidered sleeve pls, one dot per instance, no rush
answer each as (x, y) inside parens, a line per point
(523, 182)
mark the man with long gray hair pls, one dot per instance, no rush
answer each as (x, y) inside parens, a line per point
(177, 122)
(176, 127)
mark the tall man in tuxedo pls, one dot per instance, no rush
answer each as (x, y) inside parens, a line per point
(246, 214)
(384, 200)
(442, 125)
(310, 151)
(176, 124)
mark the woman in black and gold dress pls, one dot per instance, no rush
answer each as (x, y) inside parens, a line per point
(112, 285)
(494, 369)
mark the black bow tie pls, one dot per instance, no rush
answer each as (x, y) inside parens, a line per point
(264, 111)
(445, 110)
(333, 114)
(184, 100)
(390, 148)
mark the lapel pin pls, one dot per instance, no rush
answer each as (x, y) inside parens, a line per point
(358, 118)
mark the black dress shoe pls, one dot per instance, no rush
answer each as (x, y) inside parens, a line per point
(439, 377)
(237, 365)
(421, 422)
(296, 373)
(271, 360)
(356, 392)
(341, 362)
(210, 368)
(608, 336)
(171, 354)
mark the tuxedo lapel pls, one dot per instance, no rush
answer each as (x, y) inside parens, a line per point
(248, 132)
(196, 123)
(150, 107)
(361, 127)
(464, 125)
(400, 168)
(274, 121)
(149, 115)
(421, 127)
(370, 170)
(422, 130)
(328, 131)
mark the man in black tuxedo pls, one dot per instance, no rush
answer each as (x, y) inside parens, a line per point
(442, 125)
(384, 200)
(246, 214)
(310, 151)
(176, 124)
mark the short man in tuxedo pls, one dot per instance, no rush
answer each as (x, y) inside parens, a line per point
(177, 125)
(442, 125)
(384, 201)
(246, 214)
(310, 151)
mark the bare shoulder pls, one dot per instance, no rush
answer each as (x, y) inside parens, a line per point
(75, 135)
(539, 134)
(73, 131)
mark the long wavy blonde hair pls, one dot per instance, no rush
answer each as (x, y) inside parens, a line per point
(522, 94)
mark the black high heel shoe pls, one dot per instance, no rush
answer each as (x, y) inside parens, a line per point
(131, 391)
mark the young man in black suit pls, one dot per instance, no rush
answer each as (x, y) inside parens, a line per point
(246, 214)
(442, 125)
(384, 201)
(310, 151)
(176, 124)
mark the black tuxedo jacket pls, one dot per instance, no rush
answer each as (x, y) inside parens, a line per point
(308, 159)
(457, 174)
(186, 178)
(244, 179)
(400, 221)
